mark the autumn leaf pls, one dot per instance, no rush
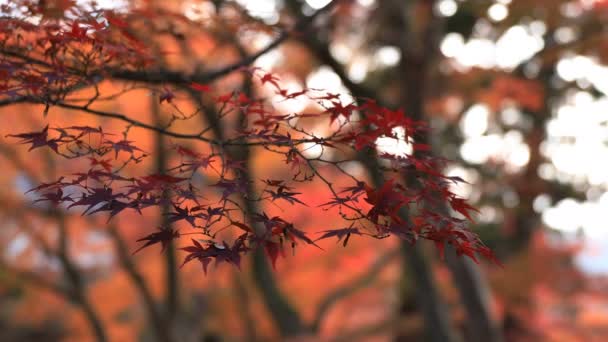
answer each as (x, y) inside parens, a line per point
(163, 236)
(218, 252)
(273, 250)
(105, 164)
(37, 139)
(270, 78)
(200, 87)
(340, 234)
(460, 205)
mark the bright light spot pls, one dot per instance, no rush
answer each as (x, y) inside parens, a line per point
(110, 4)
(358, 70)
(446, 8)
(516, 152)
(564, 216)
(577, 135)
(341, 51)
(366, 3)
(547, 171)
(565, 35)
(488, 214)
(510, 199)
(268, 60)
(388, 55)
(453, 105)
(475, 120)
(508, 148)
(452, 44)
(198, 10)
(538, 28)
(470, 176)
(541, 203)
(312, 150)
(104, 4)
(517, 45)
(316, 4)
(498, 12)
(566, 70)
(478, 52)
(356, 169)
(511, 116)
(263, 9)
(398, 147)
(478, 150)
(571, 9)
(294, 105)
(17, 246)
(324, 78)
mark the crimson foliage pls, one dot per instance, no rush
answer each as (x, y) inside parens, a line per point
(48, 62)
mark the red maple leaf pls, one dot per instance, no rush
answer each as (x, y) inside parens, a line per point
(163, 236)
(340, 234)
(200, 87)
(37, 139)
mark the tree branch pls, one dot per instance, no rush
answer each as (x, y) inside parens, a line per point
(176, 77)
(156, 320)
(355, 285)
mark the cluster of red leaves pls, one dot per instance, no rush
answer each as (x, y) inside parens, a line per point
(63, 55)
(379, 215)
(71, 54)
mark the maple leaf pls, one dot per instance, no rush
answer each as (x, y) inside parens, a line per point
(231, 187)
(283, 193)
(355, 190)
(386, 201)
(270, 78)
(460, 205)
(273, 182)
(77, 32)
(115, 207)
(166, 95)
(113, 19)
(164, 236)
(199, 162)
(336, 201)
(57, 184)
(97, 175)
(200, 87)
(186, 152)
(153, 182)
(37, 139)
(94, 197)
(123, 145)
(489, 255)
(242, 226)
(466, 248)
(293, 95)
(290, 232)
(54, 197)
(273, 250)
(338, 110)
(340, 234)
(87, 130)
(329, 97)
(105, 164)
(183, 214)
(218, 252)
